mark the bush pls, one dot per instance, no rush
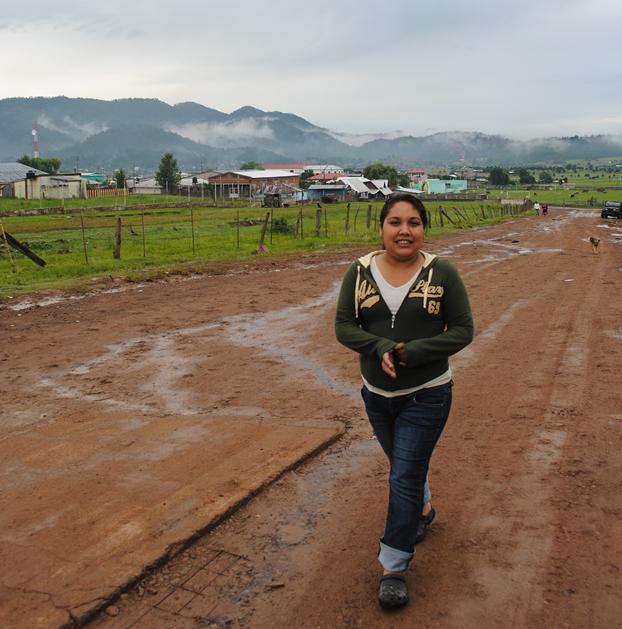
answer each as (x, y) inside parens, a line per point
(280, 225)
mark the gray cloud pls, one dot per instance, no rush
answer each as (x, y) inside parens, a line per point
(226, 134)
(519, 68)
(81, 130)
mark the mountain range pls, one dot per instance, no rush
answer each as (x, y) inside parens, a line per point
(92, 134)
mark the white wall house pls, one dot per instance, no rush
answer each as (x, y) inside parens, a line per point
(61, 186)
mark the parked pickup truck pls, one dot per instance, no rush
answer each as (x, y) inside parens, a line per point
(612, 209)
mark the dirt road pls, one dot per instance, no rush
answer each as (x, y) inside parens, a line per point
(133, 419)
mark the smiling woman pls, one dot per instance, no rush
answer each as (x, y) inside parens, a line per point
(405, 312)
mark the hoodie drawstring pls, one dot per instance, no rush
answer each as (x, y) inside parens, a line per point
(356, 291)
(425, 292)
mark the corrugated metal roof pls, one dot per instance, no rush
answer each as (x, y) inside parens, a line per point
(327, 186)
(356, 183)
(14, 171)
(283, 166)
(382, 185)
(187, 181)
(263, 174)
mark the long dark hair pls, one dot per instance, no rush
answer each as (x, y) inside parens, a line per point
(396, 197)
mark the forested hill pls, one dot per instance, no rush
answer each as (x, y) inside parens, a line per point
(103, 135)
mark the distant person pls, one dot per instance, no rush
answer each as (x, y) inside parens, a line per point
(545, 209)
(405, 312)
(536, 207)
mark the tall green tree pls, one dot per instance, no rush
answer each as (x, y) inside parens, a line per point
(168, 174)
(498, 176)
(251, 165)
(378, 170)
(304, 179)
(49, 165)
(525, 177)
(120, 178)
(545, 177)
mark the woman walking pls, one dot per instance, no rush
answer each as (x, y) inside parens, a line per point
(405, 312)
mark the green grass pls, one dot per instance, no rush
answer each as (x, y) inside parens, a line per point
(168, 239)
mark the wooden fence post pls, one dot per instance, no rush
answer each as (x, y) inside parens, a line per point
(356, 216)
(302, 233)
(451, 220)
(347, 218)
(318, 221)
(8, 247)
(261, 248)
(325, 223)
(369, 217)
(192, 225)
(142, 218)
(86, 257)
(117, 239)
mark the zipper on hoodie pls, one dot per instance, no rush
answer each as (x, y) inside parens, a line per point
(392, 321)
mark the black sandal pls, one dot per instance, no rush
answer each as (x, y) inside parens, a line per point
(392, 592)
(422, 527)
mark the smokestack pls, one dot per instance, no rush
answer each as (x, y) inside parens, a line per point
(35, 140)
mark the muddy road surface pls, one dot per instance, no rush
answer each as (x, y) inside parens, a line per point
(212, 429)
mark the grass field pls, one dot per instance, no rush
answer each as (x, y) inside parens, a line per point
(163, 240)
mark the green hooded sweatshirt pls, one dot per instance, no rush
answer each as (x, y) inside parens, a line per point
(434, 321)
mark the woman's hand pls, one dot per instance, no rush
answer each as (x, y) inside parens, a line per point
(392, 359)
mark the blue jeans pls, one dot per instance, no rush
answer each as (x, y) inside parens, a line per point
(407, 428)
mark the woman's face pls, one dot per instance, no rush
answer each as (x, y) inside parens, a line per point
(402, 232)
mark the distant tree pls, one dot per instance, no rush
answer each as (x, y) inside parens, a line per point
(498, 176)
(545, 177)
(251, 165)
(525, 177)
(168, 175)
(120, 178)
(47, 164)
(304, 179)
(378, 170)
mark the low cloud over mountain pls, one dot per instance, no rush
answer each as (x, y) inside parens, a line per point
(136, 132)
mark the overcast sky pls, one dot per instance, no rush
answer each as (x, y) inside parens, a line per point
(523, 69)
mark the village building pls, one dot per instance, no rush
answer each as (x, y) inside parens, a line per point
(326, 177)
(296, 168)
(247, 184)
(442, 186)
(147, 185)
(363, 188)
(10, 172)
(332, 191)
(324, 168)
(415, 175)
(44, 186)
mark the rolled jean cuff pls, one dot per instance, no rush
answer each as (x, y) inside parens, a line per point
(393, 559)
(427, 493)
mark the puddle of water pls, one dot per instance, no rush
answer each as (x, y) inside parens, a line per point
(28, 303)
